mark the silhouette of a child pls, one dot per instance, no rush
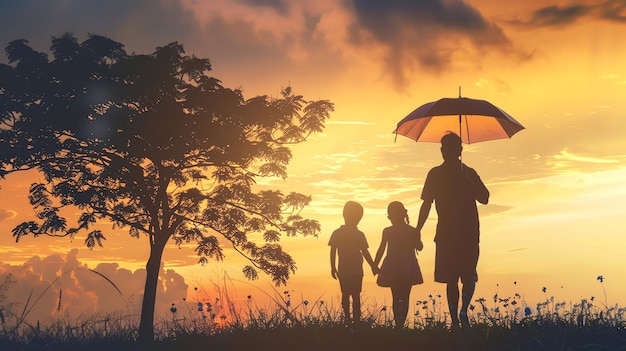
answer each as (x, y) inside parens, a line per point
(400, 269)
(349, 244)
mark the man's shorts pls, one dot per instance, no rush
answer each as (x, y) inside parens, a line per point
(456, 260)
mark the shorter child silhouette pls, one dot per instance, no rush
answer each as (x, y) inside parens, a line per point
(400, 270)
(350, 245)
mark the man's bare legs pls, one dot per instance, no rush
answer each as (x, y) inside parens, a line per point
(466, 299)
(452, 290)
(452, 293)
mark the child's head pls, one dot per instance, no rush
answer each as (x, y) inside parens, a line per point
(352, 213)
(397, 213)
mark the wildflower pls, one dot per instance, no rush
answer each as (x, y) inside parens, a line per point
(249, 297)
(306, 302)
(527, 311)
(288, 303)
(173, 308)
(383, 309)
(544, 289)
(321, 303)
(600, 278)
(200, 307)
(514, 282)
(593, 298)
(195, 288)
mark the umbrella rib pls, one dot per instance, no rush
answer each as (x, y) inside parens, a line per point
(467, 131)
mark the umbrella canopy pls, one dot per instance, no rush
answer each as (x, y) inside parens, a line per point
(473, 120)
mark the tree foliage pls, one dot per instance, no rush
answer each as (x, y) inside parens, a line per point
(155, 145)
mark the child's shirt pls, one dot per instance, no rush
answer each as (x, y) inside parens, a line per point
(349, 242)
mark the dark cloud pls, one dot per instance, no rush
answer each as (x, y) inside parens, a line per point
(560, 16)
(384, 17)
(280, 6)
(613, 10)
(233, 44)
(555, 16)
(428, 34)
(139, 24)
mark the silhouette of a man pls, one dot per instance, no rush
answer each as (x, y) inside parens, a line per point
(455, 188)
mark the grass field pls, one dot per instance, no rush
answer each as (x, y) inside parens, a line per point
(496, 324)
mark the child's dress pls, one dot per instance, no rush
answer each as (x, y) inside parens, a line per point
(400, 265)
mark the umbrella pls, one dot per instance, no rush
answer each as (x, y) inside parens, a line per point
(473, 120)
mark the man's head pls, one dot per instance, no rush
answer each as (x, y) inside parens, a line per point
(451, 147)
(352, 213)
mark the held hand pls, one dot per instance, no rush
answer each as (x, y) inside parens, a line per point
(420, 245)
(375, 270)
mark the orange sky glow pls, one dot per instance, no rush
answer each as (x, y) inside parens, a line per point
(555, 217)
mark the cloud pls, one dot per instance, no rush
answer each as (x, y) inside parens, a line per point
(349, 123)
(427, 35)
(141, 24)
(569, 160)
(83, 290)
(280, 6)
(396, 38)
(561, 16)
(557, 16)
(7, 214)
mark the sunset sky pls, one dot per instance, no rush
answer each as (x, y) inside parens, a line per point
(558, 190)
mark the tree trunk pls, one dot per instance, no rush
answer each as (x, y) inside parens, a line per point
(146, 324)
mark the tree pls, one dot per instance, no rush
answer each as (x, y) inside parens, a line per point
(157, 146)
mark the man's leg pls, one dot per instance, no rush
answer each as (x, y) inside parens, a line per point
(469, 279)
(452, 290)
(466, 298)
